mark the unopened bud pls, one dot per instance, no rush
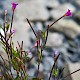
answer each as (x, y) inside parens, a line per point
(5, 12)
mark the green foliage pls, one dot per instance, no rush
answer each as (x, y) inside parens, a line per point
(36, 79)
(55, 72)
(43, 35)
(25, 58)
(7, 27)
(39, 55)
(16, 78)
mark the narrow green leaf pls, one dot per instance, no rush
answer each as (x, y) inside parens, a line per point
(43, 35)
(55, 72)
(7, 27)
(39, 55)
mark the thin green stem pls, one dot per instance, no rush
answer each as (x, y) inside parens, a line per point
(55, 21)
(42, 47)
(4, 21)
(38, 58)
(12, 21)
(54, 65)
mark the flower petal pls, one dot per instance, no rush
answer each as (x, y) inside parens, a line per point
(14, 5)
(12, 31)
(68, 13)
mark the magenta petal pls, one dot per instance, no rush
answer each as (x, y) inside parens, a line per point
(68, 13)
(12, 31)
(14, 5)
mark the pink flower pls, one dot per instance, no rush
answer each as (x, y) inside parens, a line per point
(35, 45)
(12, 31)
(68, 13)
(37, 42)
(14, 5)
(56, 53)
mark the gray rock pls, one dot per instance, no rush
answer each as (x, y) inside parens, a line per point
(13, 72)
(4, 55)
(55, 40)
(1, 31)
(45, 53)
(21, 33)
(41, 67)
(70, 28)
(74, 58)
(77, 2)
(66, 71)
(77, 16)
(73, 67)
(47, 63)
(35, 10)
(1, 22)
(63, 50)
(31, 71)
(38, 26)
(0, 13)
(60, 63)
(52, 3)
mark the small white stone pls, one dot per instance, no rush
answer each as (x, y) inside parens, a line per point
(41, 67)
(69, 27)
(55, 40)
(34, 10)
(52, 3)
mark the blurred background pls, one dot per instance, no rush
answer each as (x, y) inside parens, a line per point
(64, 36)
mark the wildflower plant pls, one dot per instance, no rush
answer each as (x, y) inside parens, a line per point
(18, 57)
